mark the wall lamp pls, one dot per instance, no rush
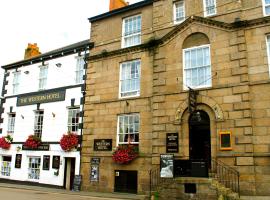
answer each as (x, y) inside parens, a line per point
(26, 72)
(58, 65)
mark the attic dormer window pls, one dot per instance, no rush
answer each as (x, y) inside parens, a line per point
(131, 31)
(43, 73)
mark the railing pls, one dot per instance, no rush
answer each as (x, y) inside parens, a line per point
(226, 175)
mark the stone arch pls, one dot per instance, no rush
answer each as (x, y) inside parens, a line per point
(201, 99)
(195, 39)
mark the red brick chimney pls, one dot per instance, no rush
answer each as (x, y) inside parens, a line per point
(115, 4)
(32, 50)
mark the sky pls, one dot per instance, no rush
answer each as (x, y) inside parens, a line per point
(49, 23)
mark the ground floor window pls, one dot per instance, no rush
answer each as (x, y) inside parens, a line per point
(6, 166)
(34, 168)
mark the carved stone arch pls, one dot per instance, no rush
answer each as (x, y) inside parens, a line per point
(201, 99)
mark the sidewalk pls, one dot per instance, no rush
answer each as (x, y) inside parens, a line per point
(118, 196)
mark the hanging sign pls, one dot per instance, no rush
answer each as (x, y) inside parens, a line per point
(172, 143)
(192, 100)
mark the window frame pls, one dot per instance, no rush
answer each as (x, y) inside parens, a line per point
(71, 124)
(38, 127)
(79, 71)
(16, 82)
(11, 123)
(268, 52)
(133, 133)
(185, 86)
(264, 7)
(5, 170)
(120, 80)
(123, 43)
(35, 176)
(205, 9)
(175, 21)
(43, 86)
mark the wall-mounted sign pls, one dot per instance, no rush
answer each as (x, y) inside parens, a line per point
(225, 140)
(95, 161)
(42, 147)
(166, 165)
(41, 97)
(77, 181)
(172, 143)
(46, 162)
(18, 160)
(192, 100)
(56, 162)
(102, 144)
(94, 174)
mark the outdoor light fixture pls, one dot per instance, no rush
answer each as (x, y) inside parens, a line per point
(26, 72)
(58, 65)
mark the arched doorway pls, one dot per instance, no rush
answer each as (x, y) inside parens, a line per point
(200, 137)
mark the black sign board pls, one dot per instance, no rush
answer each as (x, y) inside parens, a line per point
(41, 97)
(225, 140)
(18, 161)
(102, 144)
(192, 100)
(166, 165)
(172, 143)
(77, 181)
(46, 162)
(42, 147)
(56, 162)
(95, 161)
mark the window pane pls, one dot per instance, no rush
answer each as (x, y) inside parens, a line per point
(131, 129)
(132, 31)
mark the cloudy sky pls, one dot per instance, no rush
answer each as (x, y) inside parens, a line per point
(49, 23)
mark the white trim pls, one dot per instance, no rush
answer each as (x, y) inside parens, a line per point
(264, 6)
(204, 9)
(185, 87)
(268, 52)
(175, 21)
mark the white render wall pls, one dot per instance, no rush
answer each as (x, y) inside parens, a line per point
(53, 126)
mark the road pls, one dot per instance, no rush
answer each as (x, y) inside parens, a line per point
(22, 194)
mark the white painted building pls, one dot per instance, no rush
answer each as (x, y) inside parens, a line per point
(43, 96)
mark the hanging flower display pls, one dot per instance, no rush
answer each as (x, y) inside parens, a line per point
(69, 141)
(32, 142)
(5, 142)
(124, 154)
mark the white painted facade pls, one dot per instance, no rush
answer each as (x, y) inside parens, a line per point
(55, 119)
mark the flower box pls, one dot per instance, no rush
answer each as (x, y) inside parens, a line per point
(32, 142)
(69, 141)
(5, 142)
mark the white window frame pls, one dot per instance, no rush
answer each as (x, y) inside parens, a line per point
(265, 5)
(11, 123)
(132, 35)
(182, 4)
(38, 123)
(16, 82)
(73, 113)
(206, 9)
(268, 51)
(185, 86)
(79, 72)
(5, 166)
(130, 139)
(43, 76)
(34, 167)
(131, 93)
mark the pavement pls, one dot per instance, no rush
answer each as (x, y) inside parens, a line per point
(122, 196)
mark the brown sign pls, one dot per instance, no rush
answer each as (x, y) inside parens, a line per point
(41, 97)
(102, 144)
(42, 147)
(172, 143)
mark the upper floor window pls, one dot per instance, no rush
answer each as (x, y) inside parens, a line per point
(43, 73)
(73, 119)
(16, 82)
(128, 129)
(179, 11)
(266, 7)
(131, 33)
(38, 124)
(79, 70)
(197, 67)
(130, 78)
(209, 7)
(11, 123)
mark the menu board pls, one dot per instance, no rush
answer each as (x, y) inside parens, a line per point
(18, 161)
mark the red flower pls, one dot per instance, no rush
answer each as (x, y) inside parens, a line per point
(125, 154)
(5, 142)
(69, 141)
(32, 142)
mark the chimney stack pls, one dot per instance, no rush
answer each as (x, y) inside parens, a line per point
(32, 50)
(115, 4)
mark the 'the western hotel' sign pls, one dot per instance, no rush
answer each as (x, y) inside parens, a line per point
(41, 97)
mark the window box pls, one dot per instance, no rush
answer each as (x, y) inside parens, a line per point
(124, 154)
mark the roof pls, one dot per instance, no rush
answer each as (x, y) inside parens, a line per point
(67, 50)
(121, 10)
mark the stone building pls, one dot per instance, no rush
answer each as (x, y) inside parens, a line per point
(194, 70)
